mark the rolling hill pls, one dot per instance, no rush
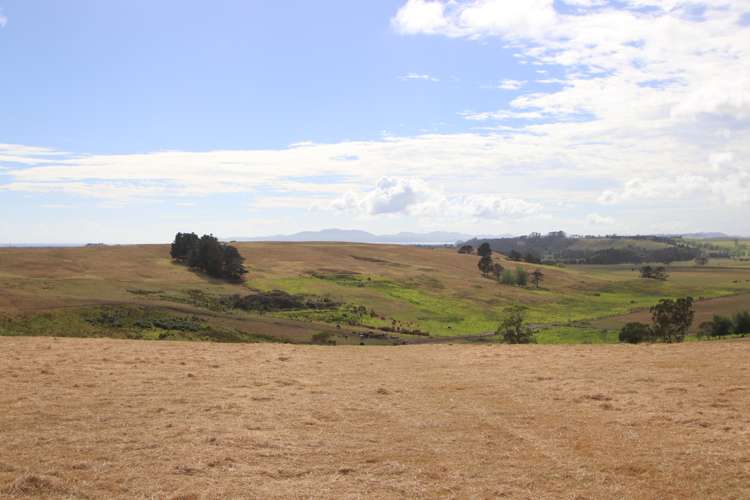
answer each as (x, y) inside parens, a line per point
(370, 294)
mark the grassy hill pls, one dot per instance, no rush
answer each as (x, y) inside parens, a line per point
(377, 294)
(561, 248)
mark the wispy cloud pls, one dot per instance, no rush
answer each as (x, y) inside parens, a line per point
(511, 84)
(633, 72)
(599, 220)
(418, 76)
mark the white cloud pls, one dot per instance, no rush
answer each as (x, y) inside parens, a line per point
(658, 63)
(420, 16)
(419, 76)
(415, 197)
(649, 91)
(511, 84)
(3, 21)
(599, 220)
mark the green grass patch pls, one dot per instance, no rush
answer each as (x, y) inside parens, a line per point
(123, 322)
(576, 335)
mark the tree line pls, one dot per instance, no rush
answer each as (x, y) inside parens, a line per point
(670, 321)
(491, 269)
(558, 247)
(721, 326)
(209, 255)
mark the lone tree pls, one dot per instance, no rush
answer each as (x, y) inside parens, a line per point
(484, 250)
(537, 277)
(497, 271)
(522, 276)
(513, 329)
(485, 265)
(466, 249)
(658, 273)
(742, 323)
(672, 318)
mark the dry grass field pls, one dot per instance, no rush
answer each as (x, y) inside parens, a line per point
(101, 418)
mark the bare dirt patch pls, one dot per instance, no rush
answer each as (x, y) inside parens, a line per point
(134, 419)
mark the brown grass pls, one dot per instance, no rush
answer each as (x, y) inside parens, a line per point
(124, 419)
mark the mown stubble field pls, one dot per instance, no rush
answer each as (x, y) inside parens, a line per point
(134, 419)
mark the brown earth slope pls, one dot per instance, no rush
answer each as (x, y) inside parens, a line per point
(136, 419)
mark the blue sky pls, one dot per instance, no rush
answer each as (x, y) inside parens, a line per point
(129, 121)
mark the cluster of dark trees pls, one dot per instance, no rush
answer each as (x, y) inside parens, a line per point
(721, 326)
(558, 247)
(529, 257)
(654, 273)
(670, 321)
(209, 255)
(489, 268)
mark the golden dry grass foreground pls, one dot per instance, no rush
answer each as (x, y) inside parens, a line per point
(99, 418)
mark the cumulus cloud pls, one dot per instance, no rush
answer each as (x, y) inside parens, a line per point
(650, 106)
(635, 74)
(415, 197)
(621, 59)
(420, 16)
(3, 20)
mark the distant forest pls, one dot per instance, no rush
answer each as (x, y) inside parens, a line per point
(558, 247)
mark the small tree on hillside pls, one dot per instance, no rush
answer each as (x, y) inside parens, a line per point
(484, 250)
(485, 265)
(497, 270)
(660, 273)
(513, 328)
(508, 278)
(647, 272)
(515, 255)
(537, 277)
(522, 276)
(672, 318)
(742, 323)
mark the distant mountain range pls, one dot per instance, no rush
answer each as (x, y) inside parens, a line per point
(706, 236)
(356, 236)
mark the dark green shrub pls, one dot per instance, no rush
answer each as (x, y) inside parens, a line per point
(634, 333)
(742, 323)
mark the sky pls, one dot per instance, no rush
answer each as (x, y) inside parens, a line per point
(125, 122)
